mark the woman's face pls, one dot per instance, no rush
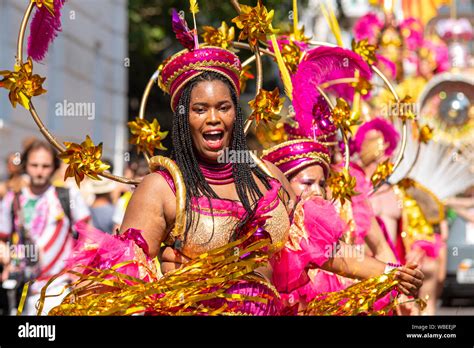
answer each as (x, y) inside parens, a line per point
(373, 148)
(310, 179)
(211, 118)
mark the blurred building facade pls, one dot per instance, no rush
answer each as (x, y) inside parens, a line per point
(86, 73)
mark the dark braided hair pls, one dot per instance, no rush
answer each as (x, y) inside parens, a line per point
(185, 157)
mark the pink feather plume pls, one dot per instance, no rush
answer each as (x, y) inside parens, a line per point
(43, 30)
(320, 65)
(183, 33)
(368, 27)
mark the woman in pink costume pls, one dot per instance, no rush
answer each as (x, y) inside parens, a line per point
(239, 207)
(375, 141)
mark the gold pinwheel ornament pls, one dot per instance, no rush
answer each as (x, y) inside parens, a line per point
(22, 84)
(426, 134)
(84, 160)
(291, 54)
(48, 4)
(383, 171)
(342, 185)
(365, 50)
(267, 106)
(219, 37)
(406, 109)
(255, 23)
(343, 117)
(146, 136)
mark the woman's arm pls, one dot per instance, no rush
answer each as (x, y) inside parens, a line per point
(354, 264)
(378, 244)
(465, 214)
(146, 211)
(460, 202)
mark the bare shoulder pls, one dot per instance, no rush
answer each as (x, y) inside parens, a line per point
(153, 182)
(147, 209)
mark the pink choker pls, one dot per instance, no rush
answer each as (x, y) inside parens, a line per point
(217, 174)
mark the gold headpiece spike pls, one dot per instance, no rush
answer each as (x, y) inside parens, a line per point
(194, 8)
(333, 24)
(285, 75)
(295, 18)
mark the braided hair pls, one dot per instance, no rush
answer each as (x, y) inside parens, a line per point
(184, 156)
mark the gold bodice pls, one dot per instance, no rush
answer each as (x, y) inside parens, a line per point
(214, 231)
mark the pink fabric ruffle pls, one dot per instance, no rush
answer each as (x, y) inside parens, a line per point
(431, 249)
(324, 228)
(100, 250)
(362, 211)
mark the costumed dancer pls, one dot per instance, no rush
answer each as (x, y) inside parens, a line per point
(224, 220)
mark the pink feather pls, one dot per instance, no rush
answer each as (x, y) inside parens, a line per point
(183, 33)
(43, 30)
(323, 64)
(368, 27)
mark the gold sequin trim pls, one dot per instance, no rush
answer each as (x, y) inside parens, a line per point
(287, 143)
(314, 155)
(199, 66)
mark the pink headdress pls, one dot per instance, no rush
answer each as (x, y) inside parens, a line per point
(368, 27)
(436, 52)
(413, 32)
(182, 67)
(185, 65)
(320, 65)
(390, 134)
(294, 155)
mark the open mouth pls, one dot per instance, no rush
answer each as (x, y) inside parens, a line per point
(214, 139)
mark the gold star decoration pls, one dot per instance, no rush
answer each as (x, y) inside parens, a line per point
(383, 171)
(298, 35)
(219, 37)
(426, 134)
(266, 106)
(291, 54)
(271, 134)
(48, 4)
(22, 84)
(405, 109)
(342, 185)
(365, 50)
(343, 117)
(146, 136)
(83, 160)
(255, 23)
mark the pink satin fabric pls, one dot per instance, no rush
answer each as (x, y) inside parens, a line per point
(324, 228)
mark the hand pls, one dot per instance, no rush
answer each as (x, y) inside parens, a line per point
(410, 279)
(415, 255)
(171, 259)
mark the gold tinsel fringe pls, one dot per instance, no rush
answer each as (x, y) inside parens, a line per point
(179, 292)
(358, 299)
